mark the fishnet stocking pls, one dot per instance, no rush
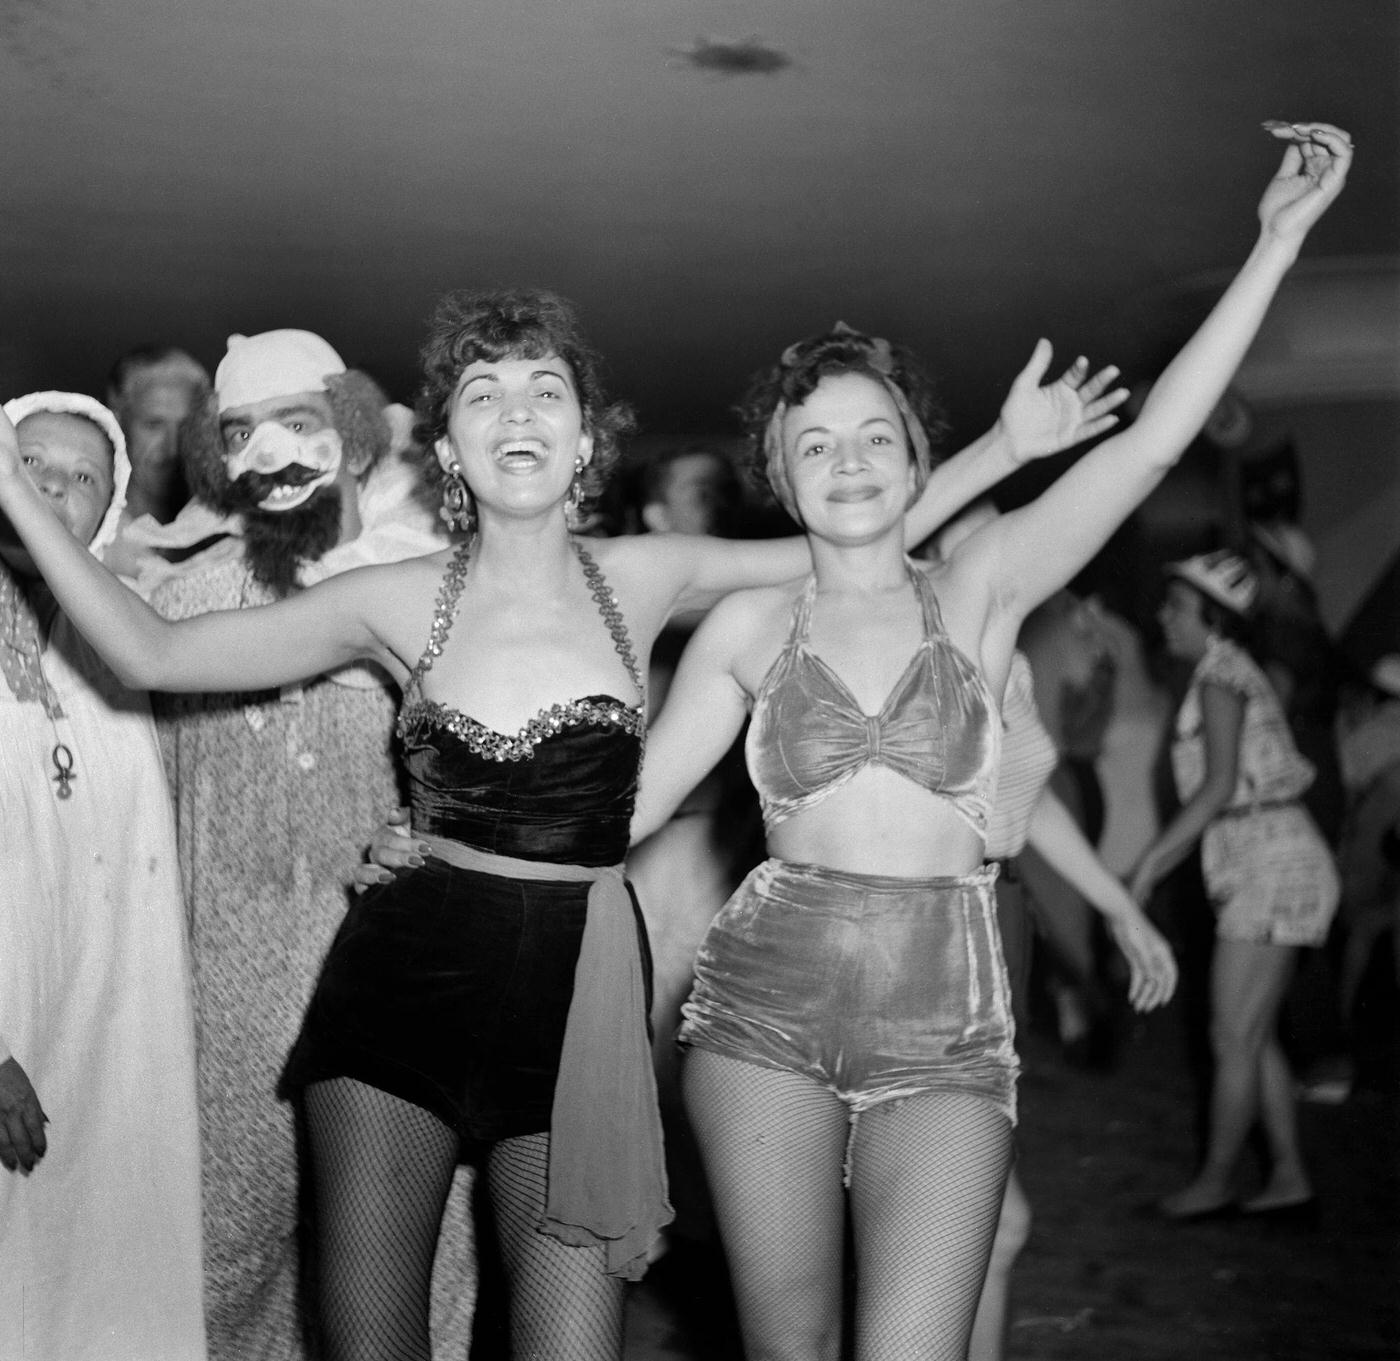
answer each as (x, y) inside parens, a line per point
(773, 1144)
(381, 1169)
(563, 1305)
(927, 1174)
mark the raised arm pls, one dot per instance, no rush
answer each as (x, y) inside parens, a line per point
(1152, 967)
(311, 632)
(1037, 419)
(1042, 546)
(703, 713)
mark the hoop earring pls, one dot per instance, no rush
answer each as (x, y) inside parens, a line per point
(457, 511)
(573, 504)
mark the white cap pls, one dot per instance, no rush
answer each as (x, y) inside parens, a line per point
(1223, 576)
(274, 364)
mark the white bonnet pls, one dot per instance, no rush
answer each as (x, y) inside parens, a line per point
(79, 404)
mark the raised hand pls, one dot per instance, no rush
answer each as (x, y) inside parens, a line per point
(1313, 172)
(1040, 418)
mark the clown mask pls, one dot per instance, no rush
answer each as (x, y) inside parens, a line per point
(279, 468)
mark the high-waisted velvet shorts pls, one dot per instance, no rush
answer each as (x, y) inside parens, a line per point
(876, 987)
(450, 988)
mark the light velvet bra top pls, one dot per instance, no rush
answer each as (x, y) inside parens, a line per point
(939, 726)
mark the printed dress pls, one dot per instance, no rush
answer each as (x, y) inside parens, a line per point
(1269, 873)
(275, 797)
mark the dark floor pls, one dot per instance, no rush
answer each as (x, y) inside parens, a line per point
(1099, 1281)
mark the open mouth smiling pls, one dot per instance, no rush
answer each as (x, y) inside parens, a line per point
(521, 455)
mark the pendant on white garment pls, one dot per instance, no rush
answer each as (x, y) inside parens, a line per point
(63, 763)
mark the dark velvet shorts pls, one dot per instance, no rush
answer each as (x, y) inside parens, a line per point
(450, 988)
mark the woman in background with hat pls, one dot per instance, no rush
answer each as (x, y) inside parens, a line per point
(1267, 869)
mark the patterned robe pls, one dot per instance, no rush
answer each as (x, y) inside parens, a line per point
(275, 797)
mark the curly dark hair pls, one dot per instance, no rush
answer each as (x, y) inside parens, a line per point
(357, 407)
(803, 365)
(514, 323)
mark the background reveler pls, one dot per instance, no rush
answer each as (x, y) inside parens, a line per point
(299, 473)
(99, 1202)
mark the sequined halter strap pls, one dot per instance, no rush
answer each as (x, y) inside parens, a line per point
(444, 612)
(606, 599)
(450, 592)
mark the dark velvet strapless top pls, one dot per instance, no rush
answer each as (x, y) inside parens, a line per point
(560, 790)
(938, 727)
(565, 794)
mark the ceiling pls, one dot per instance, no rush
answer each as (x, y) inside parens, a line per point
(708, 180)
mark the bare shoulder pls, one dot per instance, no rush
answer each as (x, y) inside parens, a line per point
(747, 630)
(398, 599)
(636, 557)
(402, 581)
(754, 611)
(647, 571)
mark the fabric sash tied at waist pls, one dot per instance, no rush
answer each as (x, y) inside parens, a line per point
(607, 1176)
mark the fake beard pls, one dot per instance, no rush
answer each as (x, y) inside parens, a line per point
(276, 543)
